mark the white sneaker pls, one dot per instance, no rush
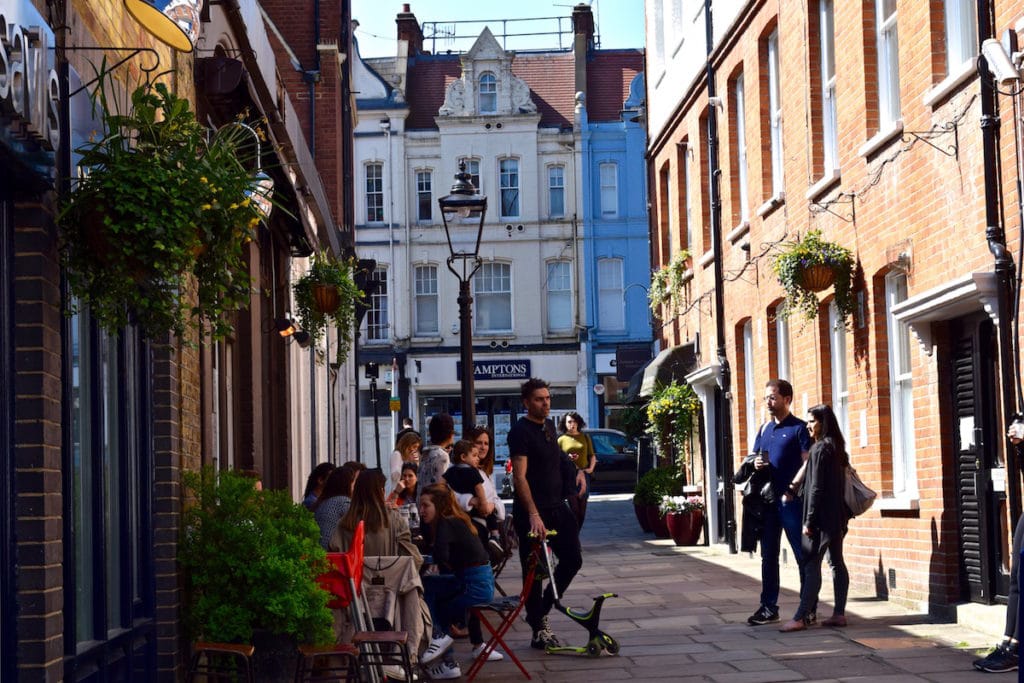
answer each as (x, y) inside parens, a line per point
(494, 656)
(444, 671)
(437, 647)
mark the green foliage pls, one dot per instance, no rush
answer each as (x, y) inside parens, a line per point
(325, 270)
(633, 421)
(163, 207)
(813, 250)
(672, 415)
(667, 285)
(657, 483)
(251, 559)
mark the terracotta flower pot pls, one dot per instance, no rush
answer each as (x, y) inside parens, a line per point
(641, 516)
(657, 522)
(685, 527)
(817, 278)
(326, 298)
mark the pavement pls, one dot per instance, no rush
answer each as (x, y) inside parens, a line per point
(680, 615)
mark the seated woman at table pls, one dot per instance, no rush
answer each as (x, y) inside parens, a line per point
(335, 498)
(465, 576)
(405, 491)
(407, 449)
(386, 530)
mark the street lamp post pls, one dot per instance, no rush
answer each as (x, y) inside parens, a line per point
(463, 211)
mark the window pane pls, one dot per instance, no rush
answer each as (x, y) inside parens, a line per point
(377, 326)
(426, 300)
(961, 36)
(488, 94)
(904, 477)
(610, 308)
(83, 504)
(609, 190)
(112, 474)
(509, 184)
(888, 62)
(473, 170)
(424, 203)
(374, 193)
(775, 112)
(559, 291)
(556, 190)
(830, 125)
(840, 390)
(782, 344)
(741, 146)
(492, 297)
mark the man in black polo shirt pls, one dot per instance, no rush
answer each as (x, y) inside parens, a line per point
(544, 477)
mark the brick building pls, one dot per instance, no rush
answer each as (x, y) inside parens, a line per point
(95, 426)
(862, 121)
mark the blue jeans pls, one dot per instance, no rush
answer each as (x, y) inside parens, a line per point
(448, 596)
(786, 517)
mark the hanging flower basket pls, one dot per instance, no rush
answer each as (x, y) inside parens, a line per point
(326, 298)
(817, 278)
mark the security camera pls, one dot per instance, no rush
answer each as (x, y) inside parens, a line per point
(1003, 68)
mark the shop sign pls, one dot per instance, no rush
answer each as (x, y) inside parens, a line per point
(629, 358)
(497, 369)
(29, 90)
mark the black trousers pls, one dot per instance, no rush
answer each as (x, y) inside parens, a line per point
(1013, 597)
(565, 545)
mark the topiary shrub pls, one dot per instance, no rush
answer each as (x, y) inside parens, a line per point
(251, 560)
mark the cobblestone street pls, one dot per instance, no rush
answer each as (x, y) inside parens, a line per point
(681, 615)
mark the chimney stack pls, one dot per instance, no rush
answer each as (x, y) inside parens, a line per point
(409, 30)
(583, 42)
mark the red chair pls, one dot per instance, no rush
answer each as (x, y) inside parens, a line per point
(507, 608)
(345, 580)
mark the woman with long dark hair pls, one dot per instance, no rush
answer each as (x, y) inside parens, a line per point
(335, 498)
(580, 450)
(824, 518)
(315, 484)
(386, 531)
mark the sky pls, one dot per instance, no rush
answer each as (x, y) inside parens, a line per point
(620, 23)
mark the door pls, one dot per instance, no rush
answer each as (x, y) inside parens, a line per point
(980, 473)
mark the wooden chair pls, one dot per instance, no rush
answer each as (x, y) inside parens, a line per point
(220, 659)
(317, 663)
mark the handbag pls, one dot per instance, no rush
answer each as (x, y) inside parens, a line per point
(858, 496)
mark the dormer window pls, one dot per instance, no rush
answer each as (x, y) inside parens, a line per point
(488, 94)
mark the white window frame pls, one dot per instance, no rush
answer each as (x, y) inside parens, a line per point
(608, 175)
(488, 93)
(749, 386)
(961, 34)
(782, 345)
(887, 40)
(508, 187)
(840, 371)
(688, 199)
(424, 190)
(473, 170)
(425, 292)
(558, 291)
(741, 147)
(829, 111)
(374, 196)
(775, 113)
(610, 295)
(492, 285)
(901, 394)
(378, 316)
(556, 172)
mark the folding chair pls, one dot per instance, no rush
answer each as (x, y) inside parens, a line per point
(509, 543)
(507, 608)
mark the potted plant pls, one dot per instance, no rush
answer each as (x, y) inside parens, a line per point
(812, 265)
(667, 284)
(251, 559)
(650, 489)
(672, 416)
(156, 230)
(684, 516)
(327, 294)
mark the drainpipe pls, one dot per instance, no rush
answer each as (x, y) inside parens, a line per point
(723, 393)
(996, 238)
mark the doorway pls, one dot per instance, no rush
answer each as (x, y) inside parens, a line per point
(979, 469)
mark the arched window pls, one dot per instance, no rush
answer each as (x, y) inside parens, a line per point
(488, 93)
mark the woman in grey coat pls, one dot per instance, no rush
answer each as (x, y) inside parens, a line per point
(825, 518)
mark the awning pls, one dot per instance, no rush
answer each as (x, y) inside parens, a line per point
(671, 364)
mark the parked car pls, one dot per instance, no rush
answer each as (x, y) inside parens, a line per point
(616, 460)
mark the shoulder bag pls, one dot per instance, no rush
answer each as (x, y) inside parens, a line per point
(858, 496)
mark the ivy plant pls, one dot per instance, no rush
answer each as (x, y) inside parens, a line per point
(667, 284)
(325, 270)
(672, 415)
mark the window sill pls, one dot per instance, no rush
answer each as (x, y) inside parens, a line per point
(818, 188)
(965, 72)
(707, 259)
(900, 504)
(376, 342)
(772, 204)
(424, 339)
(738, 232)
(881, 138)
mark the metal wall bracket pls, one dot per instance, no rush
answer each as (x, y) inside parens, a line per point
(926, 136)
(133, 52)
(841, 198)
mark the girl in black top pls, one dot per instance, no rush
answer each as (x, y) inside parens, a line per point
(465, 479)
(457, 552)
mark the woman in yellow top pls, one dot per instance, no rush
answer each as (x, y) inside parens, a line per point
(580, 450)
